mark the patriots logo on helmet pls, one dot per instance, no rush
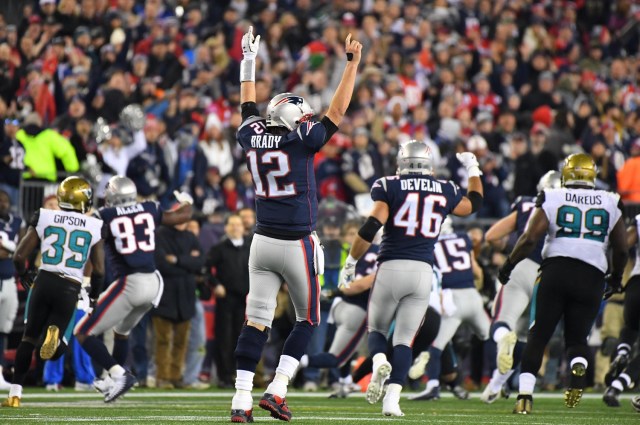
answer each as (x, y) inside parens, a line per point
(295, 100)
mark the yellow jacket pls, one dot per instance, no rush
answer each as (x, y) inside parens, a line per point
(41, 149)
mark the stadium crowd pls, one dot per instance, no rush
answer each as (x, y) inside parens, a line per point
(519, 83)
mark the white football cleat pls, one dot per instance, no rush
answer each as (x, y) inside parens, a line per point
(505, 351)
(487, 396)
(103, 385)
(419, 364)
(381, 372)
(391, 401)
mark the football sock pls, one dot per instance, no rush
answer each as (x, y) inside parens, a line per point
(576, 381)
(98, 352)
(322, 360)
(242, 400)
(377, 343)
(15, 391)
(249, 348)
(298, 339)
(501, 329)
(498, 380)
(120, 350)
(527, 383)
(22, 362)
(244, 380)
(116, 371)
(401, 363)
(278, 386)
(434, 367)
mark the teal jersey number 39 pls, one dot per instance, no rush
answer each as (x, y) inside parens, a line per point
(77, 241)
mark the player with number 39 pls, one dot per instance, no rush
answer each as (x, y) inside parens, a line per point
(411, 206)
(280, 151)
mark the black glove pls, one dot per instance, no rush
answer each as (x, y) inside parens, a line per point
(505, 271)
(613, 285)
(28, 278)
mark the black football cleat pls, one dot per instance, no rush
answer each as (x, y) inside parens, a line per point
(433, 394)
(277, 406)
(610, 397)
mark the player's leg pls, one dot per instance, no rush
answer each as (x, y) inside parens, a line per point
(266, 256)
(381, 309)
(583, 298)
(298, 271)
(450, 374)
(61, 319)
(630, 331)
(623, 382)
(113, 305)
(426, 335)
(448, 327)
(36, 314)
(412, 288)
(550, 300)
(8, 311)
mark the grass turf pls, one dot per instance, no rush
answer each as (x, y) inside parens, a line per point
(161, 407)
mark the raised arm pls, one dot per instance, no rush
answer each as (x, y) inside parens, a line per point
(250, 45)
(342, 97)
(473, 201)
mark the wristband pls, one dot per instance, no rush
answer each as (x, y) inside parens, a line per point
(349, 57)
(247, 70)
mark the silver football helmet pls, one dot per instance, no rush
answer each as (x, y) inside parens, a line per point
(446, 228)
(120, 192)
(288, 110)
(415, 158)
(551, 180)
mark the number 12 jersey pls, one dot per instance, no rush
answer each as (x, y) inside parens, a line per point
(580, 221)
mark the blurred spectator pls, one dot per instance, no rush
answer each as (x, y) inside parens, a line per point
(12, 163)
(526, 170)
(148, 169)
(361, 166)
(228, 265)
(179, 258)
(628, 178)
(215, 147)
(42, 147)
(248, 216)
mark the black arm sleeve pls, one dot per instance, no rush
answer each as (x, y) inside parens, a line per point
(476, 200)
(330, 127)
(97, 281)
(369, 229)
(249, 109)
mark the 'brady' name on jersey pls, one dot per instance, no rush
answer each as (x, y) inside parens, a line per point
(266, 141)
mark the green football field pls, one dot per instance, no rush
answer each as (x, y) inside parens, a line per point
(161, 407)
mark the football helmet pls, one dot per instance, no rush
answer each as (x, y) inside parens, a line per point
(415, 158)
(120, 192)
(579, 170)
(288, 110)
(446, 228)
(76, 194)
(551, 180)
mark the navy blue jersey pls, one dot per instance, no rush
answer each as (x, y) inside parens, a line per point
(9, 232)
(417, 206)
(524, 206)
(129, 235)
(364, 267)
(283, 176)
(453, 259)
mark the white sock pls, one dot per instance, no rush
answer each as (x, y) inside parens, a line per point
(431, 384)
(617, 385)
(623, 348)
(500, 333)
(579, 360)
(626, 378)
(244, 380)
(15, 391)
(287, 366)
(498, 379)
(347, 380)
(242, 400)
(279, 385)
(304, 361)
(527, 383)
(393, 392)
(379, 358)
(116, 371)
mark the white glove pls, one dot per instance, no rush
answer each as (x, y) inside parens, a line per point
(348, 272)
(84, 302)
(250, 45)
(470, 162)
(183, 197)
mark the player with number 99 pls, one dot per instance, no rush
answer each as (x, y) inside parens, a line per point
(411, 206)
(580, 223)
